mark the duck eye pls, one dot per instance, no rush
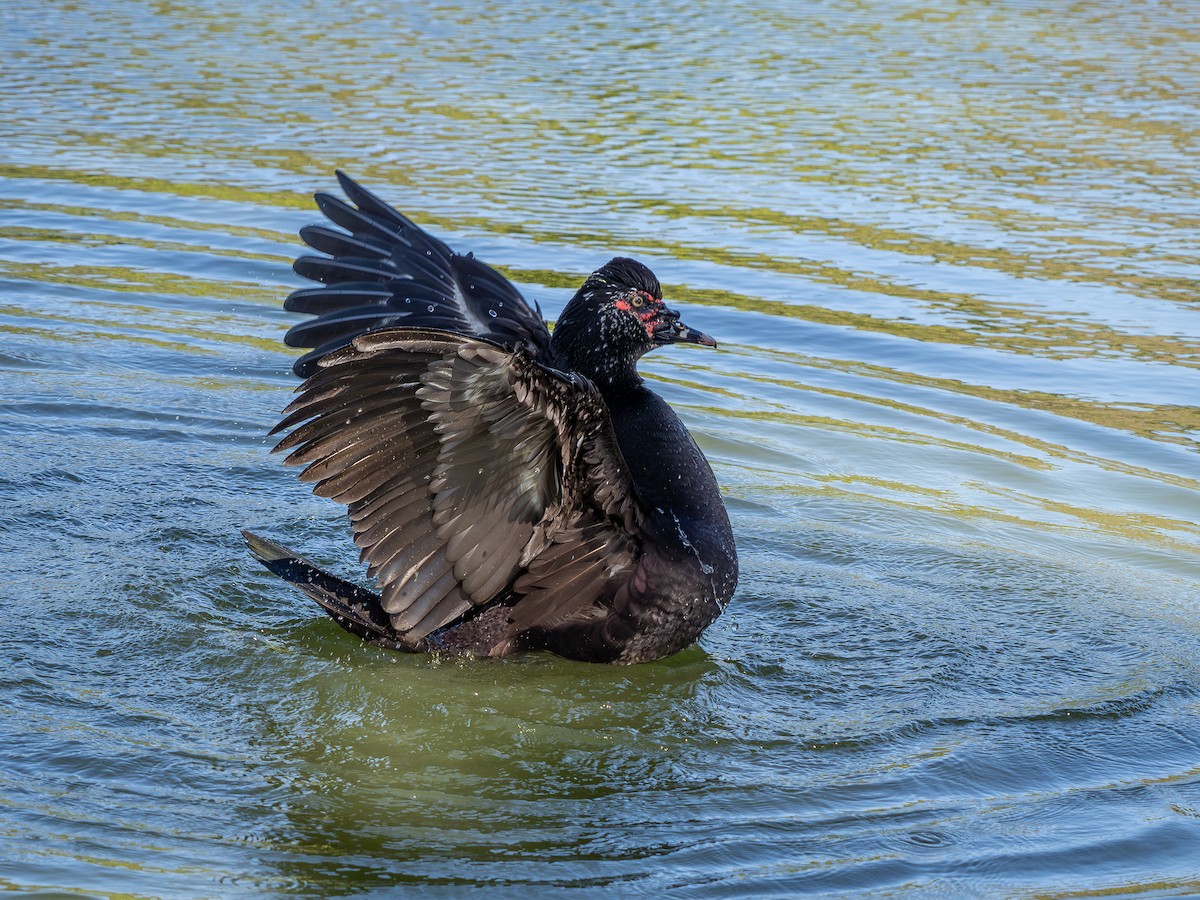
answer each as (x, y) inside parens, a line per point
(639, 300)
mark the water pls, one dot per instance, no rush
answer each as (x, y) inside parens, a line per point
(949, 251)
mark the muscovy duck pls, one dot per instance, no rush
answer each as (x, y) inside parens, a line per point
(510, 488)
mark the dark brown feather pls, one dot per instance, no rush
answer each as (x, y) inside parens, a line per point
(454, 457)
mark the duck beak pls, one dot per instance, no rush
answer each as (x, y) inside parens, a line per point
(669, 330)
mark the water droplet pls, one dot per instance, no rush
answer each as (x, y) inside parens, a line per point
(430, 307)
(492, 313)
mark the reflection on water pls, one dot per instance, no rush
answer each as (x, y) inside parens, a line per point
(949, 251)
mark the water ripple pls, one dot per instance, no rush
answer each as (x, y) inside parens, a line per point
(948, 252)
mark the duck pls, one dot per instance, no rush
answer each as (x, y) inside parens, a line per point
(510, 488)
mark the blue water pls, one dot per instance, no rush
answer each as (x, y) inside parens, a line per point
(949, 252)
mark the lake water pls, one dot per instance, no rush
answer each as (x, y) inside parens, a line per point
(951, 253)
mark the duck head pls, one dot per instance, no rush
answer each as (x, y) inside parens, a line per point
(616, 317)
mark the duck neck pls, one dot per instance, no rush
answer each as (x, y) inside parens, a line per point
(614, 374)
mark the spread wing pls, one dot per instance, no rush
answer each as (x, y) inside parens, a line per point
(470, 471)
(382, 271)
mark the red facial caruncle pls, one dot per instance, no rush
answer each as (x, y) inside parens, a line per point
(641, 305)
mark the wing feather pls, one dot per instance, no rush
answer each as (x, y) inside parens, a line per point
(349, 268)
(440, 603)
(566, 581)
(403, 566)
(372, 205)
(345, 295)
(341, 213)
(338, 243)
(458, 459)
(384, 271)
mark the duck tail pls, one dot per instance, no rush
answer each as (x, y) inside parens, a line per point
(356, 609)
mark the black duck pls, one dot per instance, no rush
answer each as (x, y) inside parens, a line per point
(510, 489)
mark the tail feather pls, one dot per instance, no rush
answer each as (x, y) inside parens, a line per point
(356, 609)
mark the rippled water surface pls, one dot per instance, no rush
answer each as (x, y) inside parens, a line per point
(951, 252)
